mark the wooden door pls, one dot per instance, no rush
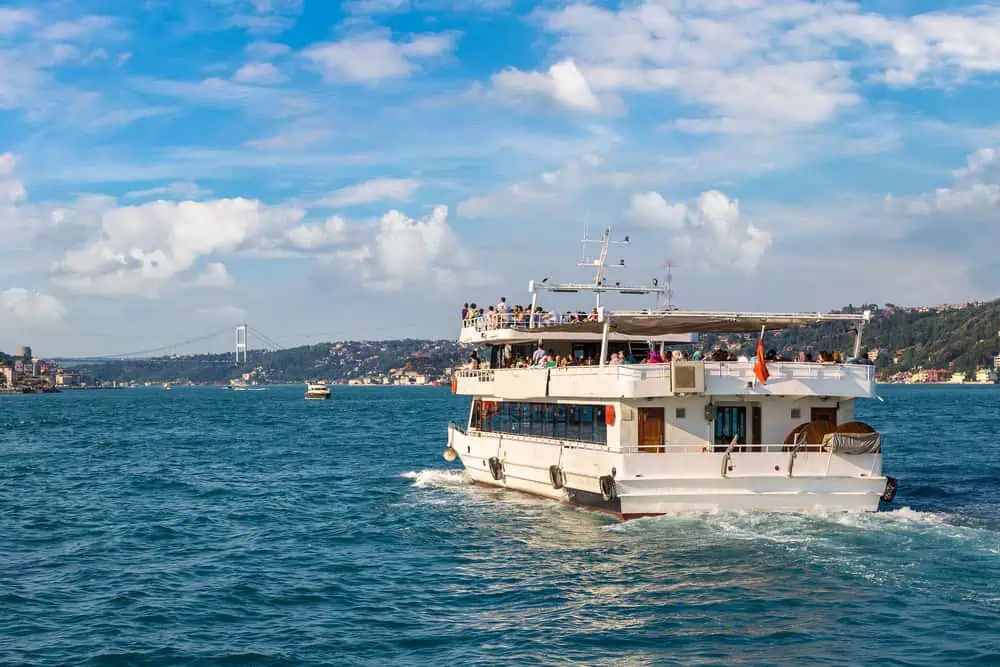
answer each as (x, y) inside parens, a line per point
(824, 414)
(652, 427)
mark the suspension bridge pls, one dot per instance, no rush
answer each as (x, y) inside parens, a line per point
(175, 352)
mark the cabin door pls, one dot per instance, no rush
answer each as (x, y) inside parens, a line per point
(756, 428)
(652, 427)
(824, 414)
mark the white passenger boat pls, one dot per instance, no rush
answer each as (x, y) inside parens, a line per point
(317, 391)
(641, 439)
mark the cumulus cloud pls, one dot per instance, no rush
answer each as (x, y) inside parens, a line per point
(375, 57)
(261, 73)
(31, 307)
(215, 275)
(976, 186)
(709, 230)
(379, 189)
(750, 67)
(141, 248)
(406, 251)
(563, 83)
(318, 236)
(551, 189)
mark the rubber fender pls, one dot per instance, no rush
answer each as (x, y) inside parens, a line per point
(891, 485)
(557, 477)
(496, 468)
(608, 489)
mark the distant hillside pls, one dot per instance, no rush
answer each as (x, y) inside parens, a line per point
(328, 361)
(960, 338)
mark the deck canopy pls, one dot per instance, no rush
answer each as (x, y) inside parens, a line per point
(641, 323)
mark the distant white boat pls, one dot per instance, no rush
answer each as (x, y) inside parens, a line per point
(317, 391)
(166, 386)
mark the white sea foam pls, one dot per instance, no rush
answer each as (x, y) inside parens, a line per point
(423, 479)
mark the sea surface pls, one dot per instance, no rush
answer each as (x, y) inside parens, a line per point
(210, 527)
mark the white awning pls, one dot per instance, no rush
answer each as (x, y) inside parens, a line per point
(638, 323)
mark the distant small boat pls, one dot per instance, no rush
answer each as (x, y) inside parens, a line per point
(317, 391)
(166, 386)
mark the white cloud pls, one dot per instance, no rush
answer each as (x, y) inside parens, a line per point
(31, 307)
(708, 231)
(751, 67)
(399, 6)
(264, 50)
(139, 249)
(228, 313)
(178, 190)
(379, 189)
(12, 20)
(215, 275)
(262, 73)
(406, 251)
(563, 83)
(650, 209)
(225, 93)
(299, 135)
(976, 187)
(79, 29)
(373, 57)
(550, 191)
(318, 236)
(11, 190)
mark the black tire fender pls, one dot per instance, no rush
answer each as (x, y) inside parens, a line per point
(608, 489)
(496, 468)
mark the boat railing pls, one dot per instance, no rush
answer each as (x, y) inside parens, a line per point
(725, 450)
(511, 321)
(778, 370)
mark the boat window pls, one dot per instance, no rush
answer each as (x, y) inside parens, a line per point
(730, 422)
(584, 423)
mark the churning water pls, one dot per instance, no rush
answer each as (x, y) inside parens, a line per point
(200, 526)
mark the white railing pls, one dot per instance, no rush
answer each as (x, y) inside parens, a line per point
(509, 320)
(722, 378)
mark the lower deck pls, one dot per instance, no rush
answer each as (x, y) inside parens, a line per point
(638, 484)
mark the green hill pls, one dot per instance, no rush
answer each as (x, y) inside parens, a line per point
(328, 361)
(959, 338)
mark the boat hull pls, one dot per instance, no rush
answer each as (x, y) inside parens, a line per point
(666, 483)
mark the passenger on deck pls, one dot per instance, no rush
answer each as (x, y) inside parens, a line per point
(720, 354)
(539, 356)
(465, 312)
(617, 358)
(654, 357)
(474, 361)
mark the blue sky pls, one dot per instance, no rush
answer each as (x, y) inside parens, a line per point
(358, 169)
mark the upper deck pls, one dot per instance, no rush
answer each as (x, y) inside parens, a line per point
(680, 378)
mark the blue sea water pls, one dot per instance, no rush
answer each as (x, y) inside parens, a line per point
(207, 527)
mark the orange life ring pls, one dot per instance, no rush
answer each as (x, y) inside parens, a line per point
(609, 415)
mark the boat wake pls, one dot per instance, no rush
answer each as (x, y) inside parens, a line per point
(423, 479)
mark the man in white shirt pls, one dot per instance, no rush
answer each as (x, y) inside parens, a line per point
(502, 311)
(538, 358)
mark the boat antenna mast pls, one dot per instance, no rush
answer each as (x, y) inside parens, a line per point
(600, 262)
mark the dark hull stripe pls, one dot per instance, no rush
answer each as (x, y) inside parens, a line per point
(584, 500)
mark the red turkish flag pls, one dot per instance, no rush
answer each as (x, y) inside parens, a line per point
(760, 366)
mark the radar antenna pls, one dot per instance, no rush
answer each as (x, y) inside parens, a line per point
(600, 262)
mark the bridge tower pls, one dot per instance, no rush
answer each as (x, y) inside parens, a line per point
(241, 343)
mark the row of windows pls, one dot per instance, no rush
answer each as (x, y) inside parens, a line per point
(584, 423)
